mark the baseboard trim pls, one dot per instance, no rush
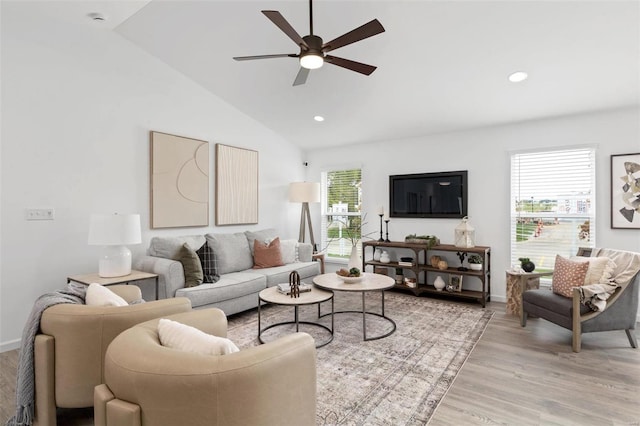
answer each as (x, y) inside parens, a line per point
(10, 345)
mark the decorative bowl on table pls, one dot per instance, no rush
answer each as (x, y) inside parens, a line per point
(350, 280)
(349, 276)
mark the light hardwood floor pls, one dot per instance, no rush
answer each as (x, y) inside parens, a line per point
(514, 376)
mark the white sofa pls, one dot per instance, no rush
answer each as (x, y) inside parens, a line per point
(239, 284)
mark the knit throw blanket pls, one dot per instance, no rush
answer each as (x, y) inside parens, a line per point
(25, 381)
(627, 267)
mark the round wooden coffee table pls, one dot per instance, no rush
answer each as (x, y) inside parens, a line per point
(369, 283)
(314, 297)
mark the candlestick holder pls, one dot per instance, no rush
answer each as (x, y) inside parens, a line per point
(381, 240)
(386, 223)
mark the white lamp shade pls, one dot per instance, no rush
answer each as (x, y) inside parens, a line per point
(114, 229)
(304, 192)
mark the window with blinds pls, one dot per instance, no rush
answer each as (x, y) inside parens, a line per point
(341, 206)
(553, 205)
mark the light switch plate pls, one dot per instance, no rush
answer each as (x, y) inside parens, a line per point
(40, 214)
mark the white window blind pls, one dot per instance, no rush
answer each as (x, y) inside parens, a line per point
(341, 207)
(552, 205)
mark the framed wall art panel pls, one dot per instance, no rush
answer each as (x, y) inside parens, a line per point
(179, 181)
(625, 191)
(236, 185)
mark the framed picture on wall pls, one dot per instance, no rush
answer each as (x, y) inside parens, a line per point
(625, 191)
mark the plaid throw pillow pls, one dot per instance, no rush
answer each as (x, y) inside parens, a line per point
(209, 263)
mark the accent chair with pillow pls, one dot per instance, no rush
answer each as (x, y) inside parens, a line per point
(593, 293)
(73, 338)
(154, 376)
(237, 271)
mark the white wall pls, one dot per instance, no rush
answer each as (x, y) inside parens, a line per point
(78, 103)
(485, 154)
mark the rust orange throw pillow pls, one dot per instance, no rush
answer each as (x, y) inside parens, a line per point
(568, 274)
(267, 255)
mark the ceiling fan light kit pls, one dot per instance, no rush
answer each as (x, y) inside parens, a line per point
(313, 53)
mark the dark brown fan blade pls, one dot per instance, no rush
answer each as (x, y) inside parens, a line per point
(282, 55)
(367, 30)
(301, 78)
(282, 23)
(350, 65)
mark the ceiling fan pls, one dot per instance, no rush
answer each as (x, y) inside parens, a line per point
(313, 52)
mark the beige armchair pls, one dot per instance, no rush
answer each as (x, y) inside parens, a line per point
(69, 349)
(147, 384)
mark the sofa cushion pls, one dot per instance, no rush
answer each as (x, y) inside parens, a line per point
(232, 252)
(280, 274)
(230, 286)
(266, 255)
(193, 275)
(98, 295)
(568, 274)
(169, 247)
(262, 236)
(209, 263)
(185, 338)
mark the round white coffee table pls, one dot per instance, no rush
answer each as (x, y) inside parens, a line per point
(313, 297)
(369, 283)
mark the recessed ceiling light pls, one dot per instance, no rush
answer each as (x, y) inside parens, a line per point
(518, 76)
(96, 16)
(318, 118)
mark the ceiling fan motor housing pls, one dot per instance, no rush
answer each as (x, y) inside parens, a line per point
(315, 46)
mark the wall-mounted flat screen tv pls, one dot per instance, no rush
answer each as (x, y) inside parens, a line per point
(423, 195)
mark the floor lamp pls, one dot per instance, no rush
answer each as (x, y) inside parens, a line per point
(305, 193)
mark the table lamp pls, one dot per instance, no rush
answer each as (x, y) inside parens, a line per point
(114, 232)
(305, 193)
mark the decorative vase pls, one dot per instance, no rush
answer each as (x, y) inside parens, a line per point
(376, 254)
(354, 259)
(475, 266)
(528, 266)
(439, 283)
(434, 261)
(384, 257)
(442, 265)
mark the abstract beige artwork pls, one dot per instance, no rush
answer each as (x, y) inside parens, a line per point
(236, 185)
(179, 181)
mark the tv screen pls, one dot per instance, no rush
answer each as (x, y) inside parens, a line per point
(437, 195)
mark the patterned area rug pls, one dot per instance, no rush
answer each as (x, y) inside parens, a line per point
(397, 380)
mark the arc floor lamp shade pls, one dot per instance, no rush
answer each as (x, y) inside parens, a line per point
(305, 193)
(114, 232)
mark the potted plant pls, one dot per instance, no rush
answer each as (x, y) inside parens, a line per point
(526, 264)
(475, 262)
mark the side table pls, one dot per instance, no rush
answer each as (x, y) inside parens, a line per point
(319, 257)
(517, 282)
(125, 279)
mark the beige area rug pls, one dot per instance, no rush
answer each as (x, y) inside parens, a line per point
(397, 380)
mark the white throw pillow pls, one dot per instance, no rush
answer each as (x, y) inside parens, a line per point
(600, 269)
(288, 251)
(98, 295)
(189, 339)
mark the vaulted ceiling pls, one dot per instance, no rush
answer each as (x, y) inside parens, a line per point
(442, 65)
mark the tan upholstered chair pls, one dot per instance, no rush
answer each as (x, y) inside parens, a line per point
(620, 313)
(147, 384)
(69, 350)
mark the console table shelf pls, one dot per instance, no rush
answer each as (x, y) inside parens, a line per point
(425, 273)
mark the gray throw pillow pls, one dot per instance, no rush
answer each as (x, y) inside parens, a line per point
(209, 263)
(262, 236)
(191, 264)
(231, 251)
